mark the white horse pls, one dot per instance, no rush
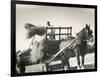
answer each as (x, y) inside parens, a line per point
(35, 54)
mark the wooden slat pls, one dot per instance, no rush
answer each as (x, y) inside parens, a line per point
(58, 27)
(46, 32)
(71, 32)
(68, 31)
(60, 34)
(55, 67)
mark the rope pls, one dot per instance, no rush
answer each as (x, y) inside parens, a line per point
(28, 48)
(31, 42)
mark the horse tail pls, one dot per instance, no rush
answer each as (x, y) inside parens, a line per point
(33, 30)
(28, 25)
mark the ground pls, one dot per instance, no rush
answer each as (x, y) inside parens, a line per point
(89, 64)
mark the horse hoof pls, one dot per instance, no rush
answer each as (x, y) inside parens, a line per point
(82, 67)
(78, 67)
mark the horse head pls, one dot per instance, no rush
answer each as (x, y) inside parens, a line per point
(89, 32)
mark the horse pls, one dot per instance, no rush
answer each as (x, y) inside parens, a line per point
(78, 48)
(40, 51)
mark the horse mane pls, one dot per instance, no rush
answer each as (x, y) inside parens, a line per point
(82, 35)
(28, 25)
(33, 30)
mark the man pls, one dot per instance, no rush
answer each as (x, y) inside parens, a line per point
(52, 31)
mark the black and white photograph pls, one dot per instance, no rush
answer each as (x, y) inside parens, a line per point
(54, 39)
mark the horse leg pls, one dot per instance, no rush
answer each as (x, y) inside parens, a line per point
(82, 57)
(44, 68)
(78, 57)
(47, 67)
(17, 68)
(82, 66)
(66, 64)
(22, 69)
(78, 62)
(62, 60)
(62, 65)
(65, 61)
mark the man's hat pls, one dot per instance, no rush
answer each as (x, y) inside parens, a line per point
(48, 23)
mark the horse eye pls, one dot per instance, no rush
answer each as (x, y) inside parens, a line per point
(91, 31)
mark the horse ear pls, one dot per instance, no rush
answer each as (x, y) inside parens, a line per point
(89, 25)
(86, 25)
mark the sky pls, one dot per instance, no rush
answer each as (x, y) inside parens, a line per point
(58, 16)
